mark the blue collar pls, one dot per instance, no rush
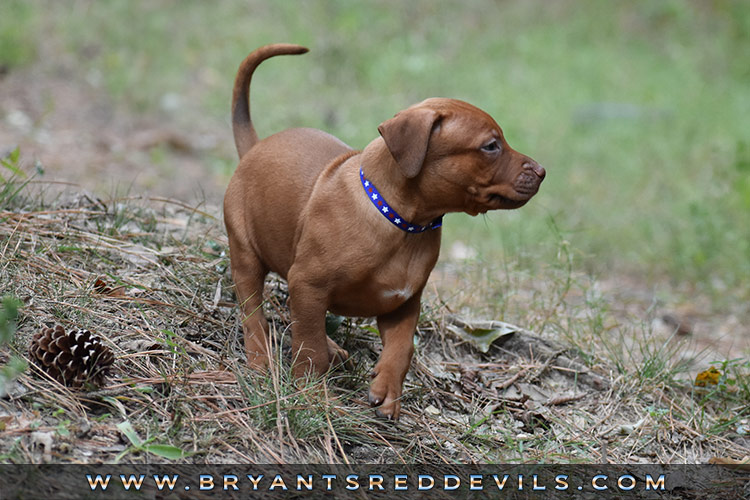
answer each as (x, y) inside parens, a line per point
(390, 214)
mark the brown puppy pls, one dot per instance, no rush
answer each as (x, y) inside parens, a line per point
(357, 232)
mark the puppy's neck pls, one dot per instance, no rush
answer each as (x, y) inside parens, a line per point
(401, 193)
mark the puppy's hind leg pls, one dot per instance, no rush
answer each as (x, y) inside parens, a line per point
(249, 273)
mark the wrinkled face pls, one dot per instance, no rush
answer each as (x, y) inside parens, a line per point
(471, 163)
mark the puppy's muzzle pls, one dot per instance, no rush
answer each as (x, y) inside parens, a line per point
(528, 181)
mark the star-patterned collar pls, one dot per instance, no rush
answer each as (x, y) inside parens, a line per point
(385, 209)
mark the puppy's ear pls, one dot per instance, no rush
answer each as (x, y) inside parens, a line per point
(407, 135)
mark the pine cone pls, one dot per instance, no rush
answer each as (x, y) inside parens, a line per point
(73, 358)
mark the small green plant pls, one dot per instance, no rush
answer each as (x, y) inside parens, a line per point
(170, 340)
(14, 180)
(734, 382)
(8, 316)
(277, 399)
(137, 444)
(63, 424)
(11, 163)
(303, 408)
(13, 453)
(15, 365)
(656, 360)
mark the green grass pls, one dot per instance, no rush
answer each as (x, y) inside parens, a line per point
(17, 43)
(638, 110)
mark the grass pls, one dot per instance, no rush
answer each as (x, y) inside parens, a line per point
(17, 44)
(181, 393)
(639, 111)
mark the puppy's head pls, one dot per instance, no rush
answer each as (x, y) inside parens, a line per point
(458, 154)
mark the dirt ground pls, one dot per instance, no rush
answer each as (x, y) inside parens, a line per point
(78, 135)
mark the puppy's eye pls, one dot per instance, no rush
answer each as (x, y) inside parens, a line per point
(491, 146)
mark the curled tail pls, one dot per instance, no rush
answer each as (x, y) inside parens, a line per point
(245, 136)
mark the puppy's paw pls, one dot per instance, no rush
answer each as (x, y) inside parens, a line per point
(257, 361)
(315, 363)
(385, 394)
(337, 355)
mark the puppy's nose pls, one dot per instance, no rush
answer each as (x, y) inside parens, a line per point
(537, 168)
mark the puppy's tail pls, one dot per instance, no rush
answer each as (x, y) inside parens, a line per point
(245, 136)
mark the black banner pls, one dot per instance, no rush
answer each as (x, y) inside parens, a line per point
(373, 481)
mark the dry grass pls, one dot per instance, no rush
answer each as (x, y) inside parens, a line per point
(150, 277)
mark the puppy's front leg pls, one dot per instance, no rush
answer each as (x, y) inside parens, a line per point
(397, 334)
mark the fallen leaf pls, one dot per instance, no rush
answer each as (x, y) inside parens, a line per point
(710, 376)
(561, 400)
(333, 322)
(432, 410)
(141, 345)
(630, 428)
(482, 334)
(731, 463)
(743, 429)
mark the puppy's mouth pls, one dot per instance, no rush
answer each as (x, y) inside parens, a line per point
(488, 200)
(515, 195)
(498, 201)
(512, 196)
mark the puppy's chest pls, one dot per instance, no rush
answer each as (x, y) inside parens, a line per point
(385, 286)
(404, 293)
(393, 283)
(383, 293)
